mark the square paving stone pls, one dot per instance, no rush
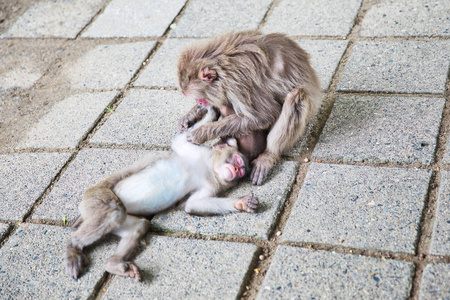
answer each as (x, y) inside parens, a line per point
(32, 265)
(325, 57)
(329, 275)
(407, 18)
(23, 178)
(360, 207)
(435, 282)
(57, 18)
(25, 61)
(68, 121)
(320, 17)
(271, 194)
(208, 18)
(145, 117)
(89, 167)
(123, 18)
(440, 242)
(175, 268)
(381, 129)
(403, 67)
(3, 229)
(162, 69)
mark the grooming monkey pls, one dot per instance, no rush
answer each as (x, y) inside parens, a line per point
(192, 172)
(266, 80)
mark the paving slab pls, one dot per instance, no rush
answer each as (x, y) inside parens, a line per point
(162, 69)
(209, 18)
(139, 18)
(175, 268)
(360, 207)
(23, 178)
(10, 11)
(435, 282)
(32, 265)
(325, 56)
(89, 167)
(446, 158)
(56, 18)
(399, 66)
(272, 194)
(25, 61)
(313, 18)
(381, 129)
(407, 18)
(440, 241)
(3, 228)
(68, 121)
(145, 118)
(329, 275)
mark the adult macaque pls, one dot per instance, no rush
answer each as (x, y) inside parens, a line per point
(266, 80)
(192, 172)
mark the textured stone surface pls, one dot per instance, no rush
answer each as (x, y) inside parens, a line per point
(32, 265)
(407, 18)
(3, 229)
(440, 242)
(68, 121)
(162, 69)
(175, 268)
(321, 17)
(435, 282)
(359, 207)
(271, 194)
(145, 117)
(330, 275)
(23, 178)
(381, 129)
(57, 18)
(404, 66)
(208, 18)
(123, 18)
(89, 167)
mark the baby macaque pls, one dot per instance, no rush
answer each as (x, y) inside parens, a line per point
(266, 80)
(195, 173)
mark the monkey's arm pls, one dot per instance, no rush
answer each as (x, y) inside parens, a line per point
(192, 117)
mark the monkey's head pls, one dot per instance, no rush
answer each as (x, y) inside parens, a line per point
(229, 165)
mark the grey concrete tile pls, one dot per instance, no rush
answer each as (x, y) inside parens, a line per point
(381, 129)
(32, 265)
(440, 241)
(271, 194)
(57, 18)
(23, 178)
(407, 18)
(175, 268)
(404, 66)
(202, 19)
(360, 207)
(162, 69)
(435, 282)
(106, 66)
(145, 117)
(329, 275)
(68, 121)
(89, 167)
(321, 17)
(25, 61)
(325, 57)
(446, 158)
(3, 228)
(123, 18)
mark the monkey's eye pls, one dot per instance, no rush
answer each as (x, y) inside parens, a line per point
(238, 161)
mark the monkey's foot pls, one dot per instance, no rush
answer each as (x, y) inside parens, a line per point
(261, 167)
(75, 262)
(123, 268)
(247, 203)
(196, 136)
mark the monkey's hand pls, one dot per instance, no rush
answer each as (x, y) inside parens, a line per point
(247, 203)
(197, 136)
(261, 167)
(118, 266)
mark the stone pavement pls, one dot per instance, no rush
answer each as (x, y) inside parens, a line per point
(359, 209)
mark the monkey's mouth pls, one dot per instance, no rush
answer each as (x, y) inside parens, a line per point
(202, 102)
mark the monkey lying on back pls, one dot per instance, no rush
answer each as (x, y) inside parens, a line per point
(192, 172)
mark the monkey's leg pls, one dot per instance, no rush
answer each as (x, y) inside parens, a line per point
(131, 233)
(198, 204)
(296, 112)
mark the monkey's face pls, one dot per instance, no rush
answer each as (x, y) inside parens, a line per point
(229, 165)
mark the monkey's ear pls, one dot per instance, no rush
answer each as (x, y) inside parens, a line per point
(208, 75)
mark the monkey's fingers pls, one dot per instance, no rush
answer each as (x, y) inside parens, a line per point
(75, 262)
(259, 173)
(123, 268)
(252, 203)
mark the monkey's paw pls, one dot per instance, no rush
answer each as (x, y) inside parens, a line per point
(196, 136)
(123, 268)
(184, 125)
(75, 262)
(247, 203)
(261, 167)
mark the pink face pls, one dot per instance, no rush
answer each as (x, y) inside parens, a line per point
(233, 170)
